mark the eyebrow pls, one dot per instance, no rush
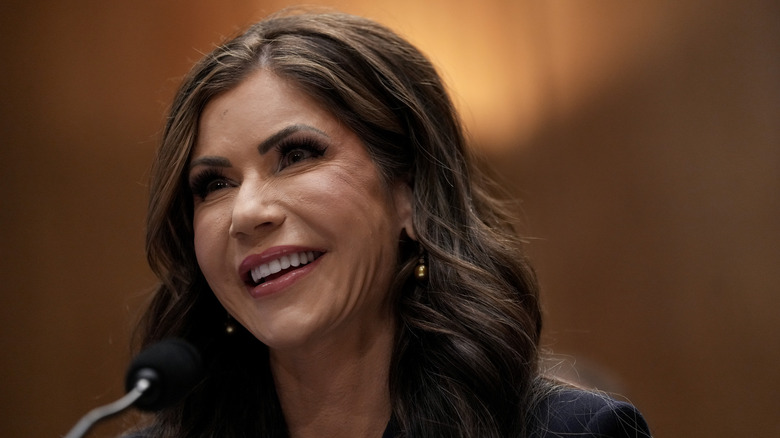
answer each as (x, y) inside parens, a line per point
(210, 161)
(273, 140)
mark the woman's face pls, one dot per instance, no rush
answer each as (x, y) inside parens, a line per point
(294, 230)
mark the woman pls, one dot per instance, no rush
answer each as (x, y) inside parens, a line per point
(322, 237)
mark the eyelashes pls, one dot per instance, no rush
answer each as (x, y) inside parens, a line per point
(293, 151)
(289, 152)
(208, 181)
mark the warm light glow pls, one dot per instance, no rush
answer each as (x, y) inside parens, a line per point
(511, 66)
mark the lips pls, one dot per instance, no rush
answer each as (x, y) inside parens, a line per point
(274, 263)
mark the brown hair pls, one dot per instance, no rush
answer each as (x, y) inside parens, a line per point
(465, 359)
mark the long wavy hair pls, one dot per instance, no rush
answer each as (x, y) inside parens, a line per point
(465, 359)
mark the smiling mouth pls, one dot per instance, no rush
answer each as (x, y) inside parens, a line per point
(281, 266)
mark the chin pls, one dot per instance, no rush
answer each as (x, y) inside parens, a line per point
(285, 335)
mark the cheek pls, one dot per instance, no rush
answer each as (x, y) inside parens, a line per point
(351, 203)
(210, 234)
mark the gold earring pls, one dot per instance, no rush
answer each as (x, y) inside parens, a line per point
(421, 270)
(230, 325)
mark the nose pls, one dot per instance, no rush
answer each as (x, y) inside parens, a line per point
(256, 210)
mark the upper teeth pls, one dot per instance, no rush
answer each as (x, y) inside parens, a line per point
(283, 262)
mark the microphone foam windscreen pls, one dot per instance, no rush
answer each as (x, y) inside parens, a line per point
(172, 366)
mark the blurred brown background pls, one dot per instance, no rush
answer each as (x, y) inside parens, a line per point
(641, 138)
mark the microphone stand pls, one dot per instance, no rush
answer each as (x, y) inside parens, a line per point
(102, 412)
(159, 376)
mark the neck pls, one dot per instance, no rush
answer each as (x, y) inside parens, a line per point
(340, 389)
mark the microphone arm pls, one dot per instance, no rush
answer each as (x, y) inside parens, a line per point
(109, 410)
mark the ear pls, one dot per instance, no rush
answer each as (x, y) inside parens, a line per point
(403, 199)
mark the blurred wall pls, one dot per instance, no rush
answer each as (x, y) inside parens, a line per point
(642, 141)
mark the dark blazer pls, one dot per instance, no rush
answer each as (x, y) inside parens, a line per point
(576, 413)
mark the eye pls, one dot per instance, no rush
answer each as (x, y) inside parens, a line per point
(296, 151)
(207, 182)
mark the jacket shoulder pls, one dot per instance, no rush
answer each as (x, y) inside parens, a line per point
(574, 412)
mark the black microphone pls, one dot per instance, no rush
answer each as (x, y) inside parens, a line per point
(158, 377)
(172, 368)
